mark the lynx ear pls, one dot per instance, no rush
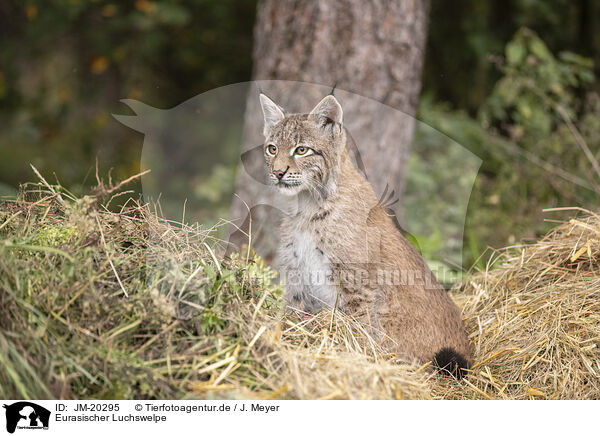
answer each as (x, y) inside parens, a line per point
(271, 112)
(328, 111)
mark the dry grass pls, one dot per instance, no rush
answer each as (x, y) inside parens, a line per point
(534, 319)
(100, 304)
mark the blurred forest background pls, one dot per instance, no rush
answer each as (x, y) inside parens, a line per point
(512, 81)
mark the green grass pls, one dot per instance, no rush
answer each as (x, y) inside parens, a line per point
(122, 304)
(97, 304)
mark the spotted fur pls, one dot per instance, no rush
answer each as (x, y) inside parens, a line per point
(340, 247)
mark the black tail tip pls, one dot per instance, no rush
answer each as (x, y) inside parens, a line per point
(449, 362)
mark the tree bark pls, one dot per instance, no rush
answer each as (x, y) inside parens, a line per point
(372, 49)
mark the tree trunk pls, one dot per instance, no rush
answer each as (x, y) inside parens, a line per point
(372, 49)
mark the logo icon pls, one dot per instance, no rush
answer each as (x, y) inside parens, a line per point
(26, 415)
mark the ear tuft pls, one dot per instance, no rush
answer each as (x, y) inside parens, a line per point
(271, 112)
(328, 111)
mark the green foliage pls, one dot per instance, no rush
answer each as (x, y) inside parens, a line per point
(64, 66)
(529, 134)
(534, 83)
(214, 191)
(464, 35)
(52, 236)
(440, 176)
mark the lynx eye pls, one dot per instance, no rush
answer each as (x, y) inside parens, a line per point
(271, 149)
(302, 151)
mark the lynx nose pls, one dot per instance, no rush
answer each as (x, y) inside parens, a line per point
(280, 173)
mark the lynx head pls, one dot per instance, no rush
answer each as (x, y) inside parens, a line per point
(303, 151)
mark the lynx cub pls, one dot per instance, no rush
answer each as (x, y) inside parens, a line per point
(341, 248)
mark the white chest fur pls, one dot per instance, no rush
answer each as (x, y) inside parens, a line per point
(306, 272)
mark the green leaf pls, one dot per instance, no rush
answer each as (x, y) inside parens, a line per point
(539, 49)
(515, 53)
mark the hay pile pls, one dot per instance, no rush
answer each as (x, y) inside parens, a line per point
(534, 319)
(105, 304)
